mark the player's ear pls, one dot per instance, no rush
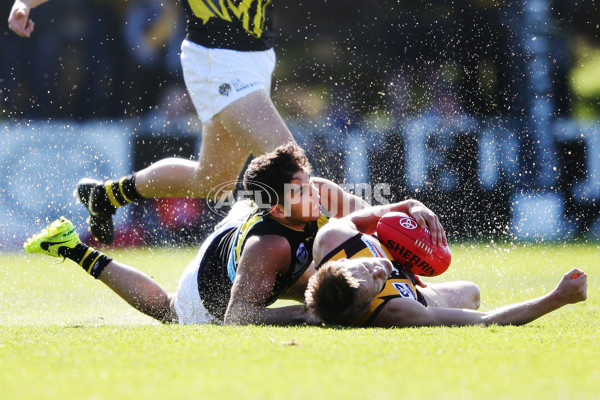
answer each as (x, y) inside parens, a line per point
(277, 210)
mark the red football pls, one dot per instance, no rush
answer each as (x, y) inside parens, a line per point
(411, 245)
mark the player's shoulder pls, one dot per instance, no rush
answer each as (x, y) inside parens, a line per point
(331, 236)
(266, 253)
(275, 246)
(338, 228)
(267, 242)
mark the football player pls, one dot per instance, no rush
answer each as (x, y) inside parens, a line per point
(359, 283)
(248, 262)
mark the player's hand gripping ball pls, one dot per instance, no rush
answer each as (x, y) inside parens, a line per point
(411, 245)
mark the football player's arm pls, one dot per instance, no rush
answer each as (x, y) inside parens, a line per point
(18, 19)
(262, 259)
(336, 200)
(365, 220)
(404, 312)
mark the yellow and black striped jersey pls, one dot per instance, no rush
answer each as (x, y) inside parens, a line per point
(243, 25)
(400, 283)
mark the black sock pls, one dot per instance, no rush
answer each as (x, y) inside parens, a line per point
(127, 186)
(92, 261)
(116, 194)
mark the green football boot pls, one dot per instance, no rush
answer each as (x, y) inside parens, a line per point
(60, 233)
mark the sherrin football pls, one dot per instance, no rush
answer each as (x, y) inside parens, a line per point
(411, 245)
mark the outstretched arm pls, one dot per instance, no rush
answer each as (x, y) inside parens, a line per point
(406, 312)
(18, 19)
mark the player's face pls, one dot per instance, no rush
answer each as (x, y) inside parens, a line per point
(302, 202)
(372, 274)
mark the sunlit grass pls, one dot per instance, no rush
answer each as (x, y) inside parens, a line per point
(64, 335)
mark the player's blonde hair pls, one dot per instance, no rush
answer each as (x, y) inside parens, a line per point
(332, 294)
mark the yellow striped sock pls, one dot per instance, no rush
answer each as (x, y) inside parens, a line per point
(110, 194)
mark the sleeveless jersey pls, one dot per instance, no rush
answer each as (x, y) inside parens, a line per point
(400, 283)
(243, 25)
(219, 264)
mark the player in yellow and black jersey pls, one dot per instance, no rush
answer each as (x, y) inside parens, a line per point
(236, 25)
(228, 60)
(399, 283)
(358, 284)
(245, 265)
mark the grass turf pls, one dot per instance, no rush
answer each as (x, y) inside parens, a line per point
(64, 335)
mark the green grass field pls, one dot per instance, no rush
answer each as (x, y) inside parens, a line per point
(65, 336)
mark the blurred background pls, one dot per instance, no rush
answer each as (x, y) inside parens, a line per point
(487, 111)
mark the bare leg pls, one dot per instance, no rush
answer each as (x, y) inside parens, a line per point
(221, 160)
(255, 120)
(458, 294)
(139, 290)
(251, 125)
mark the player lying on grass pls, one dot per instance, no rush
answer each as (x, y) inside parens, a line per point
(246, 264)
(355, 285)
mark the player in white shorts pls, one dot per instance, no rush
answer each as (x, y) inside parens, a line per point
(187, 304)
(243, 267)
(227, 59)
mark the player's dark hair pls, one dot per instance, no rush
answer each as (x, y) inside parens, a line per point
(266, 176)
(332, 294)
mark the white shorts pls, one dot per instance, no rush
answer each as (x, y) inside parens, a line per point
(215, 78)
(188, 305)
